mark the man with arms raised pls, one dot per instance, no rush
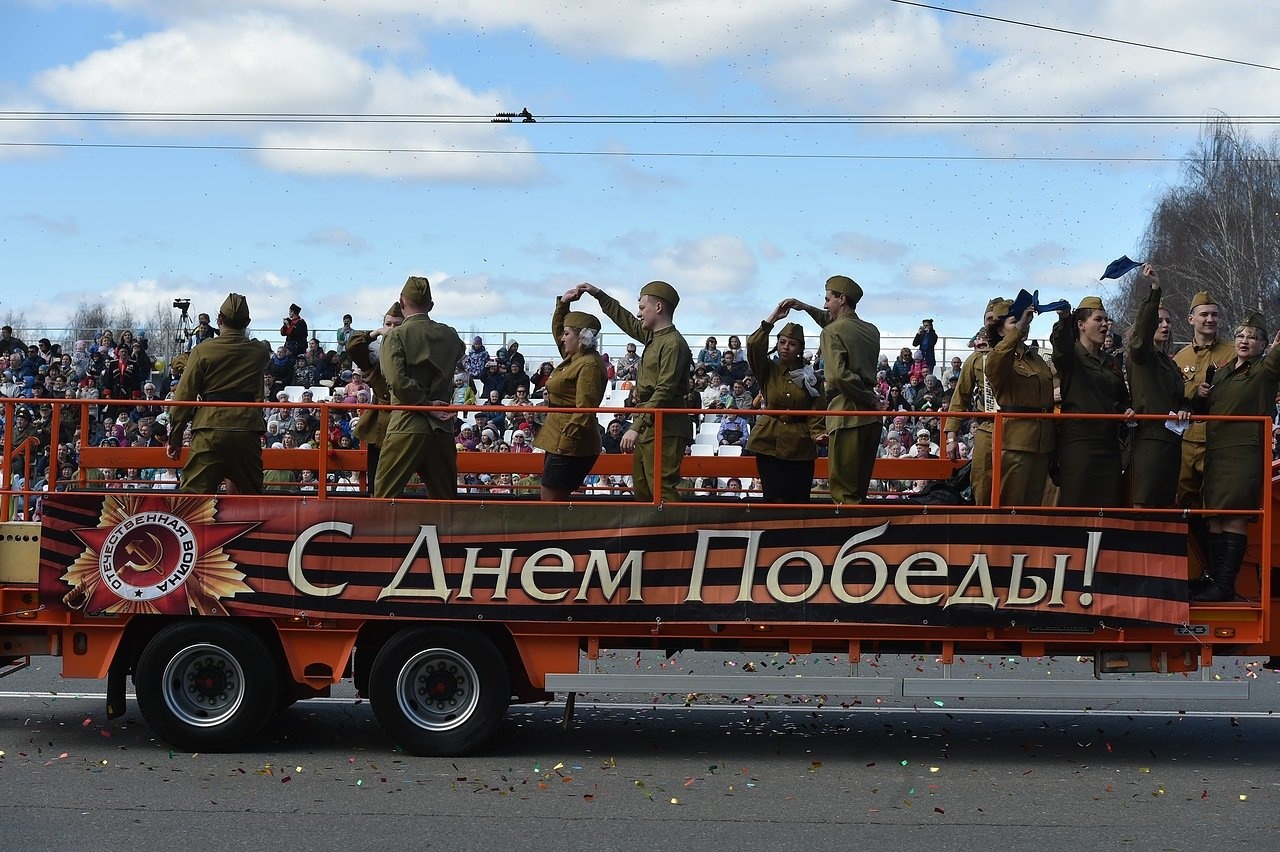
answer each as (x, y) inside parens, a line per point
(850, 348)
(662, 381)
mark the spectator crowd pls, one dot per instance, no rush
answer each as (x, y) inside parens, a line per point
(125, 386)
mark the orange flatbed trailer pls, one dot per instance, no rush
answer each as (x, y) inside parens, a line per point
(225, 608)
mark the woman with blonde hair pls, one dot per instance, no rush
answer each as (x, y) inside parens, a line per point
(572, 441)
(1234, 451)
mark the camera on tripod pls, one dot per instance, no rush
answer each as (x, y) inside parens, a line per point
(182, 304)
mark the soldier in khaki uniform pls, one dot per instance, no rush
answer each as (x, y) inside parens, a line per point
(1194, 360)
(1156, 385)
(850, 348)
(1023, 384)
(662, 381)
(1235, 451)
(572, 441)
(418, 359)
(973, 393)
(226, 442)
(783, 445)
(371, 431)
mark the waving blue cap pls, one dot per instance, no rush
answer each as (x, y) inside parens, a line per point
(1119, 268)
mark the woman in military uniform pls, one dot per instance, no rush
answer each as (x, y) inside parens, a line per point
(363, 349)
(973, 393)
(1092, 383)
(1022, 384)
(571, 441)
(783, 444)
(1157, 388)
(1234, 451)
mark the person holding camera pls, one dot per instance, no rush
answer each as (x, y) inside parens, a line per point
(294, 330)
(925, 341)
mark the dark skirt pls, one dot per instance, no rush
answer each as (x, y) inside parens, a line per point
(1232, 478)
(784, 480)
(1089, 471)
(1154, 470)
(566, 473)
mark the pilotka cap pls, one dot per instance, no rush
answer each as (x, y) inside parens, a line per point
(581, 320)
(235, 310)
(416, 290)
(846, 286)
(793, 331)
(661, 290)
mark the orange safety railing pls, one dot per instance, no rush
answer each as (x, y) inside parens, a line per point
(327, 459)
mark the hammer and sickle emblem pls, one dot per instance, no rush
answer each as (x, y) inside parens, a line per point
(148, 562)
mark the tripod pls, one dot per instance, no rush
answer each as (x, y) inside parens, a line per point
(185, 329)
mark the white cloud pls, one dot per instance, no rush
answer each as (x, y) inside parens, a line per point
(257, 63)
(252, 63)
(711, 267)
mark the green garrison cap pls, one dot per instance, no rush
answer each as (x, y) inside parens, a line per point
(416, 290)
(793, 331)
(581, 319)
(845, 285)
(235, 311)
(661, 290)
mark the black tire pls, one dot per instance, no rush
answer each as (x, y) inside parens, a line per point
(439, 691)
(207, 686)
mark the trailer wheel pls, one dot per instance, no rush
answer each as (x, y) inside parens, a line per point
(206, 687)
(439, 691)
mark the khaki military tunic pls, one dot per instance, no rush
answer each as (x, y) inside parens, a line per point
(1194, 362)
(1234, 451)
(372, 428)
(973, 393)
(662, 380)
(785, 437)
(1156, 385)
(577, 382)
(418, 359)
(1023, 384)
(226, 442)
(1088, 450)
(783, 444)
(850, 348)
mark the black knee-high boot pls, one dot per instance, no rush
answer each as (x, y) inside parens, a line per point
(1232, 548)
(1212, 564)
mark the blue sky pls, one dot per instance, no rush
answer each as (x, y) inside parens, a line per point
(736, 215)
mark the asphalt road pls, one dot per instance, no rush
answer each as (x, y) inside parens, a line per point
(654, 774)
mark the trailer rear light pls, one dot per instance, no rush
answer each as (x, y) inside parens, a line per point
(1224, 632)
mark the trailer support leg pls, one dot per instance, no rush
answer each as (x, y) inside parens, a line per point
(568, 710)
(115, 689)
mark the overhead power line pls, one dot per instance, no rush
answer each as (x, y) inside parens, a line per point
(1078, 34)
(719, 155)
(1030, 119)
